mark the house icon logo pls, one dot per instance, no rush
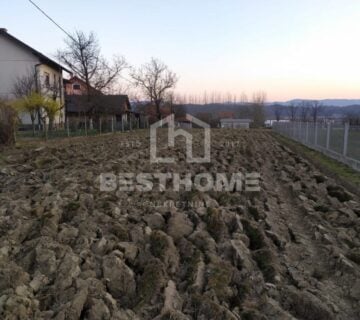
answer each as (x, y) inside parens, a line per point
(172, 134)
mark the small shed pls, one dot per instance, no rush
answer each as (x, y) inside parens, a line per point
(235, 123)
(183, 123)
(104, 108)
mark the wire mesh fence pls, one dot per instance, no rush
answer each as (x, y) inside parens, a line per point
(85, 128)
(337, 140)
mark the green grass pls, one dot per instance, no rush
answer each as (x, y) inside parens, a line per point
(337, 141)
(329, 165)
(55, 134)
(354, 143)
(336, 138)
(26, 136)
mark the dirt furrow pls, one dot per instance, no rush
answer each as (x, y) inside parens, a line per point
(69, 251)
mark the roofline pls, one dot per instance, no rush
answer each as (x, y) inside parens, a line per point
(74, 76)
(236, 120)
(44, 59)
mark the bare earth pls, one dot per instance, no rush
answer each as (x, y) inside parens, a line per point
(69, 251)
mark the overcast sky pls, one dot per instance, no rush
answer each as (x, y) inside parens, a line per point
(288, 48)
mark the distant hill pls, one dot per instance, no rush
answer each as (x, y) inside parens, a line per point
(243, 111)
(212, 108)
(327, 102)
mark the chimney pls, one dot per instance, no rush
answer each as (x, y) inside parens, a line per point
(3, 30)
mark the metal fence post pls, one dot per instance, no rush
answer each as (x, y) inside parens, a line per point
(67, 128)
(112, 124)
(307, 132)
(289, 126)
(298, 130)
(346, 138)
(316, 134)
(86, 132)
(293, 131)
(328, 128)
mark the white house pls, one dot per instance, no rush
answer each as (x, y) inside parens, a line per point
(183, 122)
(270, 123)
(18, 60)
(235, 123)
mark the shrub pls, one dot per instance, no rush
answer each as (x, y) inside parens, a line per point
(8, 123)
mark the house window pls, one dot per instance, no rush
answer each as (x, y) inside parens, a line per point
(47, 79)
(76, 86)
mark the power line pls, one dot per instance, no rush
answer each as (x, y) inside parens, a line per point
(51, 19)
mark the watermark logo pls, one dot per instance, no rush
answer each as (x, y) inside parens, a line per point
(161, 182)
(172, 134)
(202, 182)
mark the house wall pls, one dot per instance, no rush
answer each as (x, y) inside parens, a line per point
(15, 62)
(184, 125)
(235, 125)
(56, 79)
(71, 91)
(241, 126)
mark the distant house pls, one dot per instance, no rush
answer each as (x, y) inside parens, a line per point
(270, 123)
(76, 86)
(97, 109)
(110, 110)
(235, 123)
(184, 123)
(18, 60)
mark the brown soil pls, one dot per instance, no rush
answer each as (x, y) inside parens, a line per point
(69, 251)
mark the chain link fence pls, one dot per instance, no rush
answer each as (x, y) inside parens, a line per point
(337, 140)
(84, 128)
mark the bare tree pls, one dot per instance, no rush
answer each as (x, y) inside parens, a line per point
(228, 98)
(243, 98)
(8, 124)
(258, 104)
(155, 79)
(179, 107)
(278, 111)
(353, 118)
(82, 56)
(180, 111)
(315, 109)
(293, 110)
(25, 85)
(204, 116)
(170, 100)
(304, 110)
(29, 88)
(205, 98)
